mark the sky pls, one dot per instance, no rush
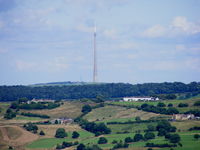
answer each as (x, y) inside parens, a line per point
(138, 41)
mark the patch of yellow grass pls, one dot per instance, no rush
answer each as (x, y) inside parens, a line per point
(185, 125)
(69, 109)
(50, 130)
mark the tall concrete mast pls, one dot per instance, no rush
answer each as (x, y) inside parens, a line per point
(95, 56)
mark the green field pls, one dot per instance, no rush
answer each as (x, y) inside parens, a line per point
(129, 127)
(52, 142)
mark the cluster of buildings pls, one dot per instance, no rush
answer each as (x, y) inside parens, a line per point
(129, 99)
(61, 121)
(184, 117)
(40, 100)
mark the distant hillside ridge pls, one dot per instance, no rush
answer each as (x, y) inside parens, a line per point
(61, 83)
(108, 90)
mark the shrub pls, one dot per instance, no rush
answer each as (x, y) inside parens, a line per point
(75, 135)
(174, 138)
(182, 105)
(102, 140)
(128, 140)
(149, 135)
(197, 103)
(170, 105)
(42, 132)
(138, 137)
(60, 133)
(80, 147)
(160, 104)
(86, 108)
(31, 127)
(196, 136)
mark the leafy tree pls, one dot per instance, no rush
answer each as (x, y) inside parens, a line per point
(197, 103)
(182, 105)
(102, 140)
(86, 108)
(174, 138)
(151, 128)
(60, 133)
(128, 140)
(172, 110)
(9, 114)
(42, 132)
(81, 147)
(160, 104)
(31, 127)
(170, 105)
(196, 136)
(138, 118)
(138, 137)
(149, 135)
(75, 135)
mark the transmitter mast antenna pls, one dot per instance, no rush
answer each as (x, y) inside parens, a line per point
(95, 56)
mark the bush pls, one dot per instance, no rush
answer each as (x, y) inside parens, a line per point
(174, 138)
(182, 105)
(60, 133)
(197, 103)
(102, 140)
(86, 108)
(138, 137)
(75, 135)
(196, 136)
(9, 114)
(42, 132)
(128, 140)
(80, 147)
(160, 104)
(31, 127)
(149, 135)
(170, 105)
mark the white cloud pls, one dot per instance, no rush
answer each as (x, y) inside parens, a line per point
(179, 26)
(182, 25)
(23, 65)
(155, 31)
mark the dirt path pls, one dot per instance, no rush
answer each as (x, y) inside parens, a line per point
(24, 138)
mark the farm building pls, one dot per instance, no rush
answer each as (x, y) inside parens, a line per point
(183, 117)
(140, 99)
(40, 100)
(62, 121)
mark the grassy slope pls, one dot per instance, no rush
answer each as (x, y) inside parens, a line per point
(116, 113)
(69, 109)
(52, 142)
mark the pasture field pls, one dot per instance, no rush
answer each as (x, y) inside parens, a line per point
(116, 128)
(52, 142)
(117, 113)
(69, 109)
(3, 108)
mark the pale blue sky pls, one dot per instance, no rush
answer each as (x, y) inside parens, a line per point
(137, 40)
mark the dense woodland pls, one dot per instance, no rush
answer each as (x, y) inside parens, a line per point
(108, 90)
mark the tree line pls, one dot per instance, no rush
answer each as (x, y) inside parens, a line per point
(108, 90)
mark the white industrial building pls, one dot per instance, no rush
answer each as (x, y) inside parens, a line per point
(128, 99)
